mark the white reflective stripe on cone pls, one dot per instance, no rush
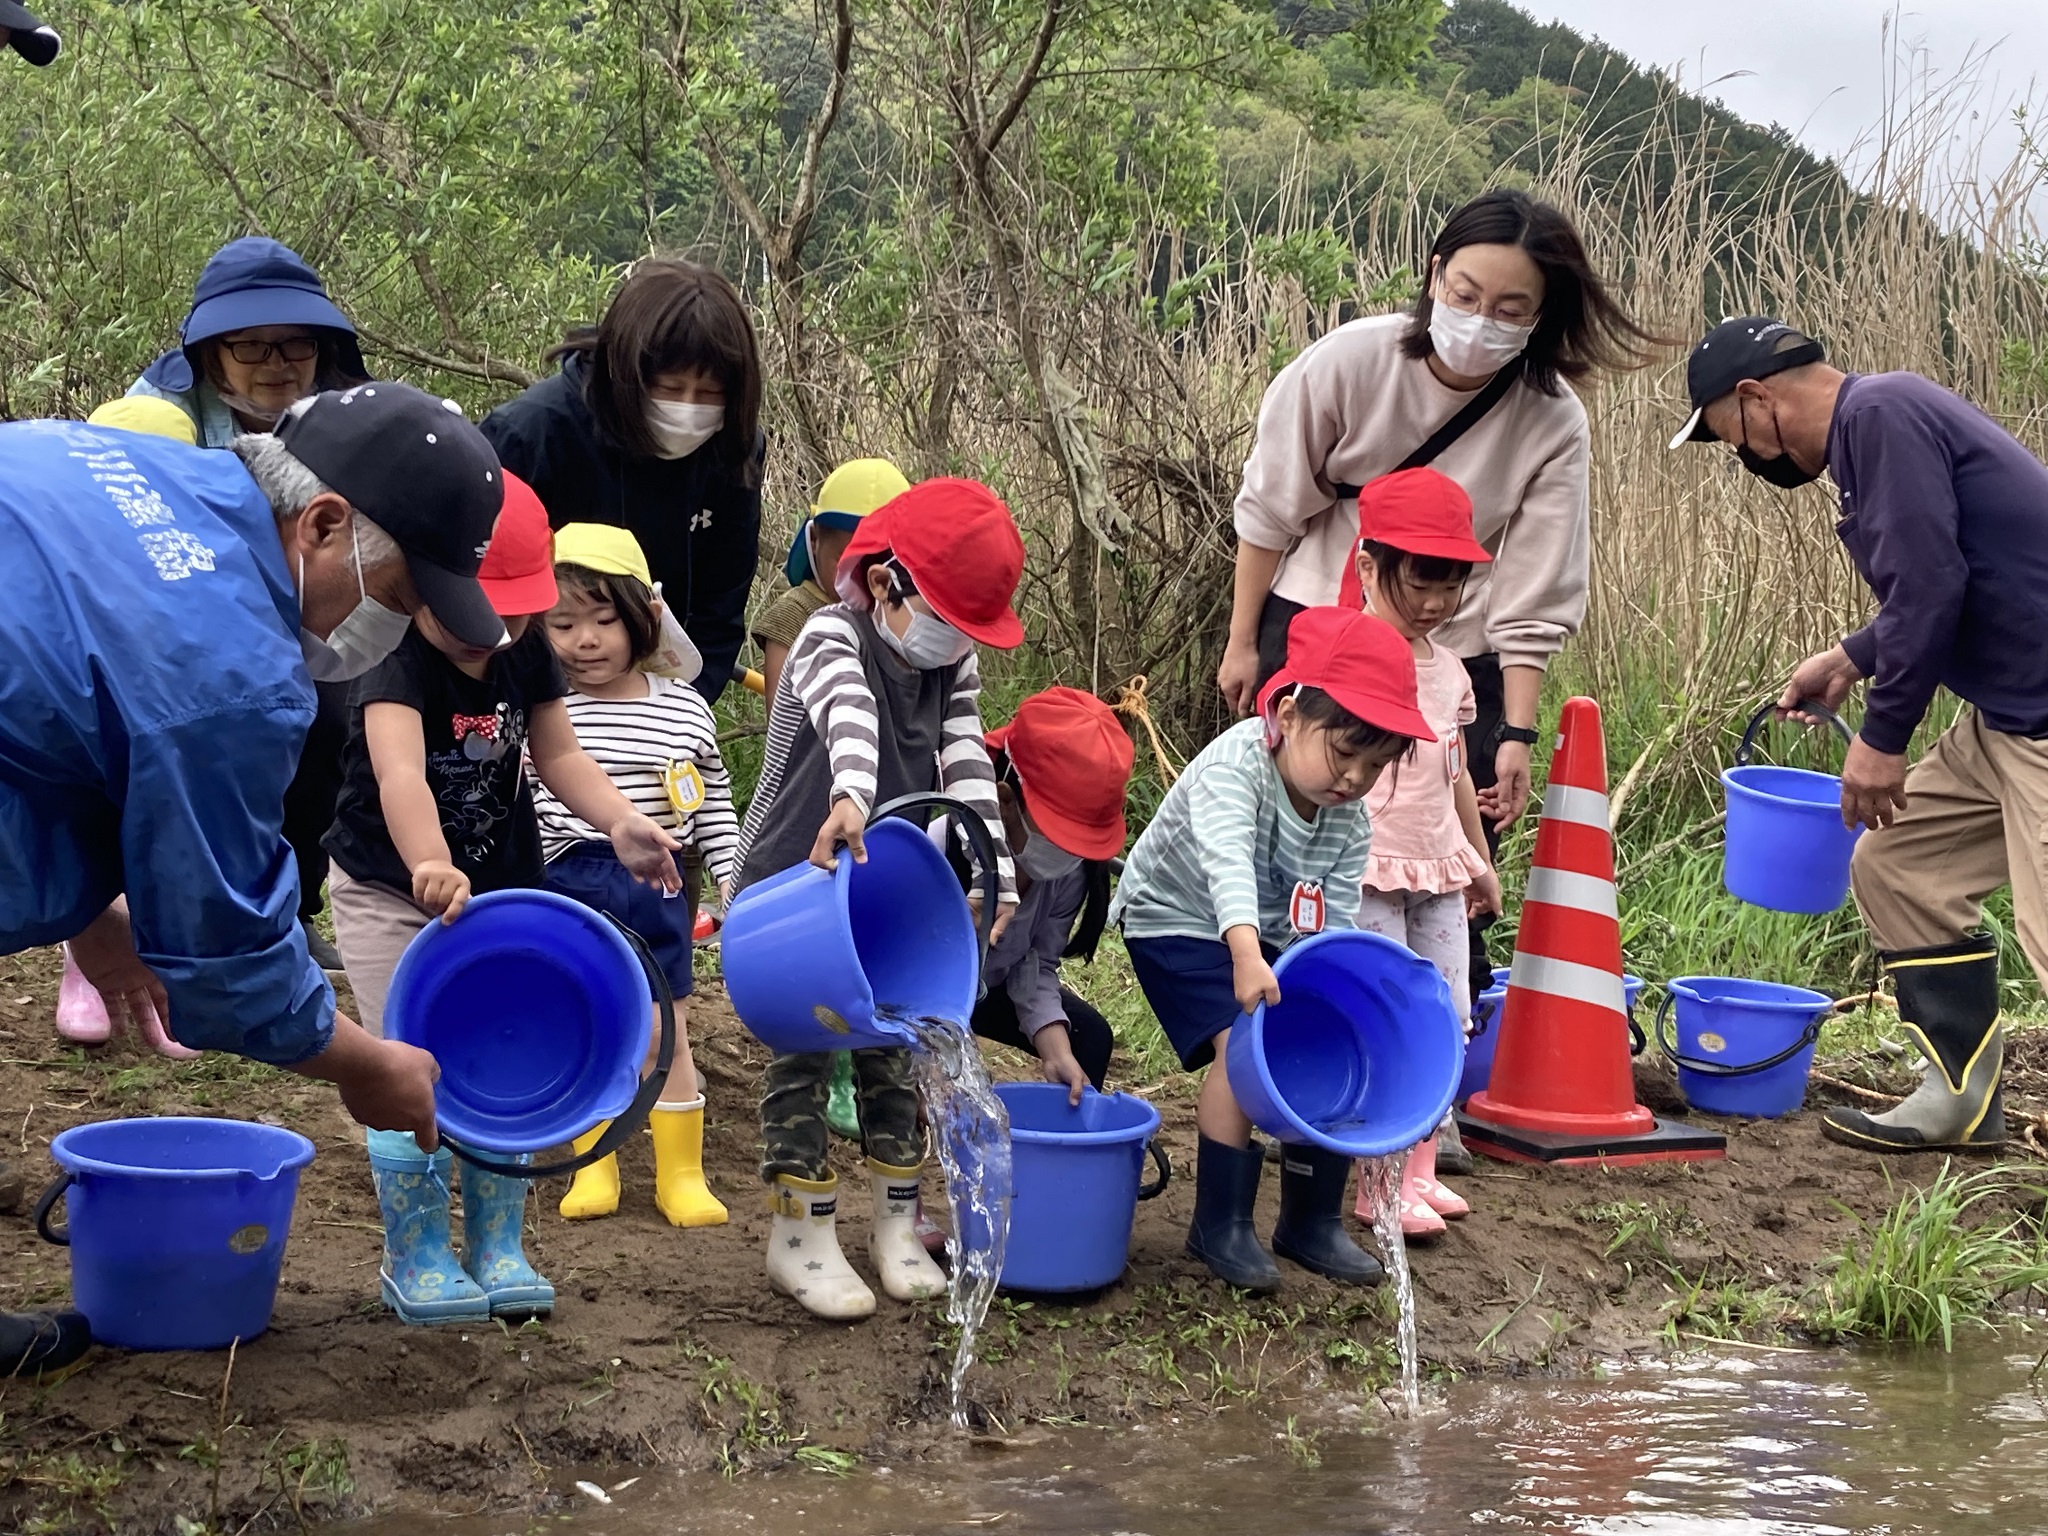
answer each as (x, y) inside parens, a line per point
(1583, 807)
(1562, 888)
(1567, 979)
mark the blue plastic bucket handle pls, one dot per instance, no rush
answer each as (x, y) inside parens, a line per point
(1668, 1043)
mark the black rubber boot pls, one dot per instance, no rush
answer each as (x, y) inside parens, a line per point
(1948, 1003)
(41, 1341)
(1311, 1228)
(1221, 1235)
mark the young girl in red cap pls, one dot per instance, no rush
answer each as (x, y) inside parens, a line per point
(435, 808)
(1428, 867)
(1262, 841)
(880, 697)
(1062, 765)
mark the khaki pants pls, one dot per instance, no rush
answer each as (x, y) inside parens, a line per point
(372, 926)
(1976, 818)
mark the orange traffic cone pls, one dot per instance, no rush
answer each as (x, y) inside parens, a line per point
(1562, 1089)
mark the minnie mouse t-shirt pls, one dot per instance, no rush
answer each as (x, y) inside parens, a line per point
(475, 732)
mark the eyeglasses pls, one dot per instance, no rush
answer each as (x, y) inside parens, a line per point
(293, 349)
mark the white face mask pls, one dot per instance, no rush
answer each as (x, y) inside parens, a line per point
(1472, 344)
(680, 430)
(368, 634)
(1042, 859)
(927, 644)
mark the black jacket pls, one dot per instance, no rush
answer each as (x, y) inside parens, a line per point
(699, 522)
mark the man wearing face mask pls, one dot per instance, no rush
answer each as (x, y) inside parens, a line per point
(165, 607)
(1945, 515)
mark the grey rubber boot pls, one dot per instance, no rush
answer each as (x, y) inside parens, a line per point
(1451, 1156)
(1948, 1005)
(1221, 1235)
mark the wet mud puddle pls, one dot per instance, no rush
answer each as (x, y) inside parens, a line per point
(1742, 1444)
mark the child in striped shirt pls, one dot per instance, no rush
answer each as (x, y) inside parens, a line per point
(1262, 841)
(880, 698)
(655, 738)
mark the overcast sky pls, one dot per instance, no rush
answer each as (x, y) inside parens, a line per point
(1819, 67)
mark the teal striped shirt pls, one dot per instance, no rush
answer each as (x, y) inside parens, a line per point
(1227, 847)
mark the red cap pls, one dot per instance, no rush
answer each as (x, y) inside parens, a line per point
(518, 573)
(960, 545)
(1362, 662)
(1419, 512)
(1073, 760)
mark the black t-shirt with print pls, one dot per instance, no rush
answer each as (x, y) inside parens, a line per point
(475, 729)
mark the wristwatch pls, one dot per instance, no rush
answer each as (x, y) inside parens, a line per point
(1521, 733)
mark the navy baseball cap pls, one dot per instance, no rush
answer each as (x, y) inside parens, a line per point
(421, 471)
(27, 34)
(1747, 347)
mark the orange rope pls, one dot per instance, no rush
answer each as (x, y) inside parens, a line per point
(1130, 702)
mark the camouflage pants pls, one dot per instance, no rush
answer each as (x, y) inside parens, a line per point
(793, 1111)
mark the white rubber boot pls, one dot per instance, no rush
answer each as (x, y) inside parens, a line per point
(899, 1255)
(804, 1261)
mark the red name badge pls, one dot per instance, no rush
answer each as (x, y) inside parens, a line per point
(1305, 911)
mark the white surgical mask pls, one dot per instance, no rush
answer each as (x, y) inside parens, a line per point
(927, 644)
(1472, 344)
(1042, 859)
(365, 637)
(680, 430)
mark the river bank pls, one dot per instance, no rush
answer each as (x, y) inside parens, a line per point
(667, 1350)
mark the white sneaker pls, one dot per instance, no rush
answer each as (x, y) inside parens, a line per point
(804, 1261)
(899, 1255)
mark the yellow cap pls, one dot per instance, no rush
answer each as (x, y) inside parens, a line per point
(601, 547)
(146, 413)
(860, 486)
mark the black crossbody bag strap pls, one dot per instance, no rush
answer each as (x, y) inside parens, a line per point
(1467, 417)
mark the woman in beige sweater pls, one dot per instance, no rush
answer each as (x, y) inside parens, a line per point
(1509, 286)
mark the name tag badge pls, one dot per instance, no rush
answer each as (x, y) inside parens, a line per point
(1305, 911)
(1454, 753)
(685, 786)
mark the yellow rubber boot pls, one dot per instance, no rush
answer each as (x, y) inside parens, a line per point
(595, 1191)
(679, 1187)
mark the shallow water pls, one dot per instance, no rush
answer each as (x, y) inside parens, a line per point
(1739, 1444)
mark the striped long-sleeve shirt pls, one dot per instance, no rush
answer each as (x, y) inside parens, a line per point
(850, 721)
(1227, 847)
(635, 741)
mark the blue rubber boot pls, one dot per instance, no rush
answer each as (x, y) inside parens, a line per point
(420, 1278)
(493, 1223)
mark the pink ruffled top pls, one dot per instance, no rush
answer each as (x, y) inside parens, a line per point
(1417, 841)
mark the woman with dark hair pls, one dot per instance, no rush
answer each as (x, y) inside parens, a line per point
(261, 334)
(1510, 314)
(653, 425)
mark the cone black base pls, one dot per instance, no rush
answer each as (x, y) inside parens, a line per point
(1668, 1141)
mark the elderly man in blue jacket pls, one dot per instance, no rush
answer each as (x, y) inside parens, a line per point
(1945, 515)
(167, 609)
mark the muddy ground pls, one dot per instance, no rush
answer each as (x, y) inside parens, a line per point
(667, 1348)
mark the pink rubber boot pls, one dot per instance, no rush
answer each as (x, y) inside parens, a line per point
(1439, 1197)
(1418, 1217)
(81, 1011)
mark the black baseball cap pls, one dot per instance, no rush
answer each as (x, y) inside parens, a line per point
(27, 34)
(1747, 347)
(421, 471)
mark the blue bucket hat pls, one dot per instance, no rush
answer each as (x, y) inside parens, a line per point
(256, 281)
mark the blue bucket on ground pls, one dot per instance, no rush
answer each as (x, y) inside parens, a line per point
(1785, 846)
(536, 1008)
(176, 1226)
(1075, 1181)
(1485, 1037)
(1743, 1047)
(1360, 1055)
(813, 958)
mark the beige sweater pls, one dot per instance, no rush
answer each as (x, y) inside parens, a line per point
(1352, 407)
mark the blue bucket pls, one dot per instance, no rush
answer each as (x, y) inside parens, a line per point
(1743, 1047)
(812, 957)
(176, 1226)
(536, 1008)
(1075, 1174)
(1785, 845)
(1360, 1055)
(1485, 1037)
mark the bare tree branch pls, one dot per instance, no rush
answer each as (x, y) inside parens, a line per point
(491, 369)
(1027, 81)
